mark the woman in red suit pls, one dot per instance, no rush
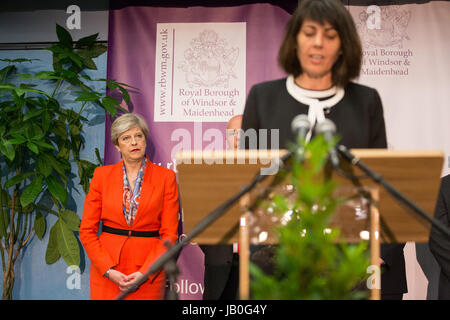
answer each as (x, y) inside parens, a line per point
(137, 203)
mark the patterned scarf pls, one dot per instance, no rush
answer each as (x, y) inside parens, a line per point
(131, 197)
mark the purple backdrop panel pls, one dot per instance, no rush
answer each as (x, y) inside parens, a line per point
(208, 56)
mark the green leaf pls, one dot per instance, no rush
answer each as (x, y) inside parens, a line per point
(68, 75)
(32, 113)
(17, 179)
(52, 253)
(46, 121)
(64, 36)
(35, 132)
(24, 76)
(56, 49)
(76, 59)
(85, 172)
(71, 219)
(97, 50)
(6, 72)
(86, 56)
(125, 94)
(87, 41)
(33, 147)
(17, 139)
(93, 51)
(89, 63)
(43, 167)
(44, 145)
(21, 91)
(57, 64)
(19, 60)
(67, 244)
(54, 163)
(18, 127)
(111, 84)
(39, 225)
(31, 191)
(7, 149)
(56, 189)
(27, 85)
(110, 104)
(46, 75)
(99, 159)
(87, 96)
(85, 76)
(121, 83)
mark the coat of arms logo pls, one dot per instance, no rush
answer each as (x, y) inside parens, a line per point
(389, 32)
(209, 61)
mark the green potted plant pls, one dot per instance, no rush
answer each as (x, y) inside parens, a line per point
(40, 139)
(310, 261)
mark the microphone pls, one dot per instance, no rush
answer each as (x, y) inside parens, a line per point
(328, 129)
(300, 125)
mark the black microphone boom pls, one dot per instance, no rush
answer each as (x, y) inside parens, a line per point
(377, 178)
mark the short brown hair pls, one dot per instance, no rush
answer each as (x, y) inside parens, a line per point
(348, 65)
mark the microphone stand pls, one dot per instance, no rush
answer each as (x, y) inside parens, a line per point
(377, 178)
(172, 271)
(167, 257)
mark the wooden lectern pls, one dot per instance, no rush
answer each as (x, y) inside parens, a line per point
(208, 178)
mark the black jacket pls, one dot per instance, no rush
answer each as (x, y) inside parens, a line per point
(439, 243)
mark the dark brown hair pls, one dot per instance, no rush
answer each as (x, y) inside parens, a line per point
(348, 65)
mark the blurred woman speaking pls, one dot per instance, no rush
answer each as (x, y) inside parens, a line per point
(322, 53)
(137, 203)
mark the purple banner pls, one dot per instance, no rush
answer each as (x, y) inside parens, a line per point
(193, 68)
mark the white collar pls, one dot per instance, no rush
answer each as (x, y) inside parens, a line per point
(311, 98)
(307, 97)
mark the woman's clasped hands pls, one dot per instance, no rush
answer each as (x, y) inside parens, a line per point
(124, 281)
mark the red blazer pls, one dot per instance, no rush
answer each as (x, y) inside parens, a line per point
(158, 210)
